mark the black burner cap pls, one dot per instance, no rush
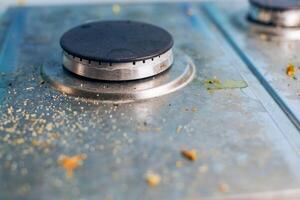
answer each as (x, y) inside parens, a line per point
(116, 41)
(280, 5)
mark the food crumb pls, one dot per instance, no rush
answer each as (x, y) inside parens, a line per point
(116, 8)
(19, 141)
(178, 129)
(223, 187)
(152, 179)
(70, 163)
(290, 70)
(189, 154)
(49, 127)
(21, 2)
(203, 169)
(179, 164)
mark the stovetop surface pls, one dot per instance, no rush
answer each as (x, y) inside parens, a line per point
(246, 133)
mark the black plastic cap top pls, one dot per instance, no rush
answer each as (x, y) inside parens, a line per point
(279, 5)
(116, 41)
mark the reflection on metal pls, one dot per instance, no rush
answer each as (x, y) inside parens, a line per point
(269, 17)
(179, 75)
(271, 32)
(269, 22)
(118, 71)
(241, 20)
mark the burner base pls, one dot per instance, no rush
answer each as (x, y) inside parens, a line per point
(178, 76)
(242, 22)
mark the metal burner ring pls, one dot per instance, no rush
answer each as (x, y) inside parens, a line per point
(118, 71)
(289, 18)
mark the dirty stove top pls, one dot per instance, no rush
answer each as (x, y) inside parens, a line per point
(221, 123)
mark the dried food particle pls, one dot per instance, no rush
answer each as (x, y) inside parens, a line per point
(19, 141)
(152, 179)
(290, 70)
(42, 144)
(223, 187)
(216, 84)
(179, 163)
(189, 154)
(49, 127)
(30, 88)
(203, 169)
(70, 163)
(194, 109)
(116, 8)
(178, 129)
(11, 129)
(21, 2)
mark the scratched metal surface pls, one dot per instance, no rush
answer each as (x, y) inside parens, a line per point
(242, 147)
(267, 57)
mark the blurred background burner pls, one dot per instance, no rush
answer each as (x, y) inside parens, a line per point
(276, 13)
(117, 50)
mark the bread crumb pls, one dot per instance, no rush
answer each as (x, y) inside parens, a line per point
(19, 141)
(203, 169)
(178, 129)
(179, 164)
(153, 179)
(290, 70)
(40, 143)
(116, 8)
(70, 163)
(223, 187)
(49, 127)
(21, 2)
(189, 154)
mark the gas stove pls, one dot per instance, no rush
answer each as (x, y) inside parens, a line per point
(193, 100)
(128, 62)
(126, 48)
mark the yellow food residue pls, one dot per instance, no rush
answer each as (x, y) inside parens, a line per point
(189, 154)
(70, 163)
(216, 84)
(152, 179)
(290, 70)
